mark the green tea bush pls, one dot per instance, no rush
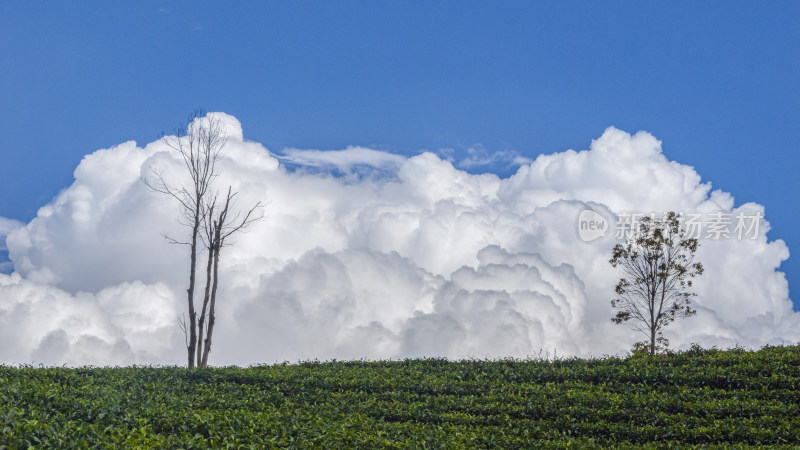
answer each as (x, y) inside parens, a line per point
(702, 398)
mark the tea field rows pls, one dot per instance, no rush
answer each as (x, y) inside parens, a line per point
(703, 398)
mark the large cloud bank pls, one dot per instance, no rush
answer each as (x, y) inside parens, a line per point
(413, 258)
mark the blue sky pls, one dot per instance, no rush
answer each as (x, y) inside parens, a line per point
(717, 82)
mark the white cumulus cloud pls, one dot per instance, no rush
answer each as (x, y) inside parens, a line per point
(6, 225)
(418, 259)
(344, 160)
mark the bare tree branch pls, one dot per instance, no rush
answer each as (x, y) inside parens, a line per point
(219, 226)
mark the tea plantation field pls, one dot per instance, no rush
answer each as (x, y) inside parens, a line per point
(703, 398)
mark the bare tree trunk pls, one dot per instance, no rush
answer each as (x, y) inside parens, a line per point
(652, 327)
(652, 340)
(212, 304)
(203, 311)
(190, 292)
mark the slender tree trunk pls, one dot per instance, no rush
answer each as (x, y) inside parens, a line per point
(190, 292)
(213, 302)
(652, 340)
(201, 321)
(652, 328)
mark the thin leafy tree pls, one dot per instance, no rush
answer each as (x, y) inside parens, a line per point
(657, 265)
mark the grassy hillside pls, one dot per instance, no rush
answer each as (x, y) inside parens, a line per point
(702, 398)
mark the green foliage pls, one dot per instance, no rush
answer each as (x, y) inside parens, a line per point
(702, 398)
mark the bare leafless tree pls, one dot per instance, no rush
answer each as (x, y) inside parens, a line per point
(657, 265)
(218, 225)
(200, 146)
